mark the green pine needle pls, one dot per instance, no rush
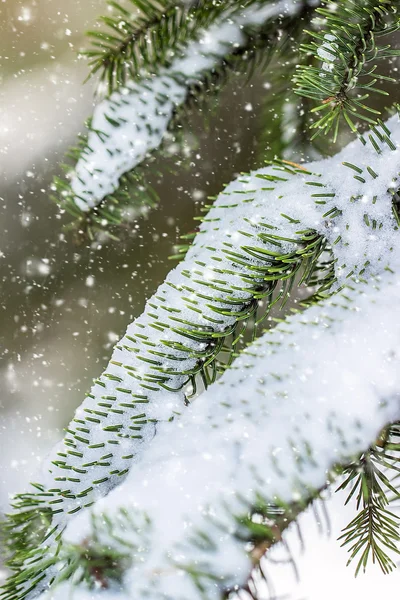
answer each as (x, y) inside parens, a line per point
(374, 534)
(149, 35)
(345, 52)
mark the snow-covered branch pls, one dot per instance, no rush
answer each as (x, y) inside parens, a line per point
(135, 119)
(263, 228)
(234, 262)
(310, 394)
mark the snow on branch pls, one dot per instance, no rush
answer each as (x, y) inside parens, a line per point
(135, 119)
(263, 230)
(310, 394)
(147, 36)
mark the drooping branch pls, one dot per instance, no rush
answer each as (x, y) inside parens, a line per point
(259, 443)
(236, 261)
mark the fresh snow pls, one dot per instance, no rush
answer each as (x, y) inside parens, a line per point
(328, 52)
(312, 392)
(221, 275)
(307, 566)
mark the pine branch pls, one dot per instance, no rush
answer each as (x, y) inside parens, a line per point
(259, 443)
(236, 261)
(151, 35)
(375, 530)
(133, 38)
(263, 528)
(343, 76)
(130, 125)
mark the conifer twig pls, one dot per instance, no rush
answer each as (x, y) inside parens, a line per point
(345, 54)
(107, 184)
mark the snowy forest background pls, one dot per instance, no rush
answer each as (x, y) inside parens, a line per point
(64, 305)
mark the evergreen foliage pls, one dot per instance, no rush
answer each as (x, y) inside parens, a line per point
(148, 37)
(349, 48)
(330, 226)
(375, 527)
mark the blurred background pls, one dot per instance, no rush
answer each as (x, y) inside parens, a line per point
(64, 305)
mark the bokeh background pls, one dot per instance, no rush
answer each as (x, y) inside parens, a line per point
(64, 305)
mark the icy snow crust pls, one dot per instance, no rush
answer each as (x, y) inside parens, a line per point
(134, 119)
(313, 392)
(225, 272)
